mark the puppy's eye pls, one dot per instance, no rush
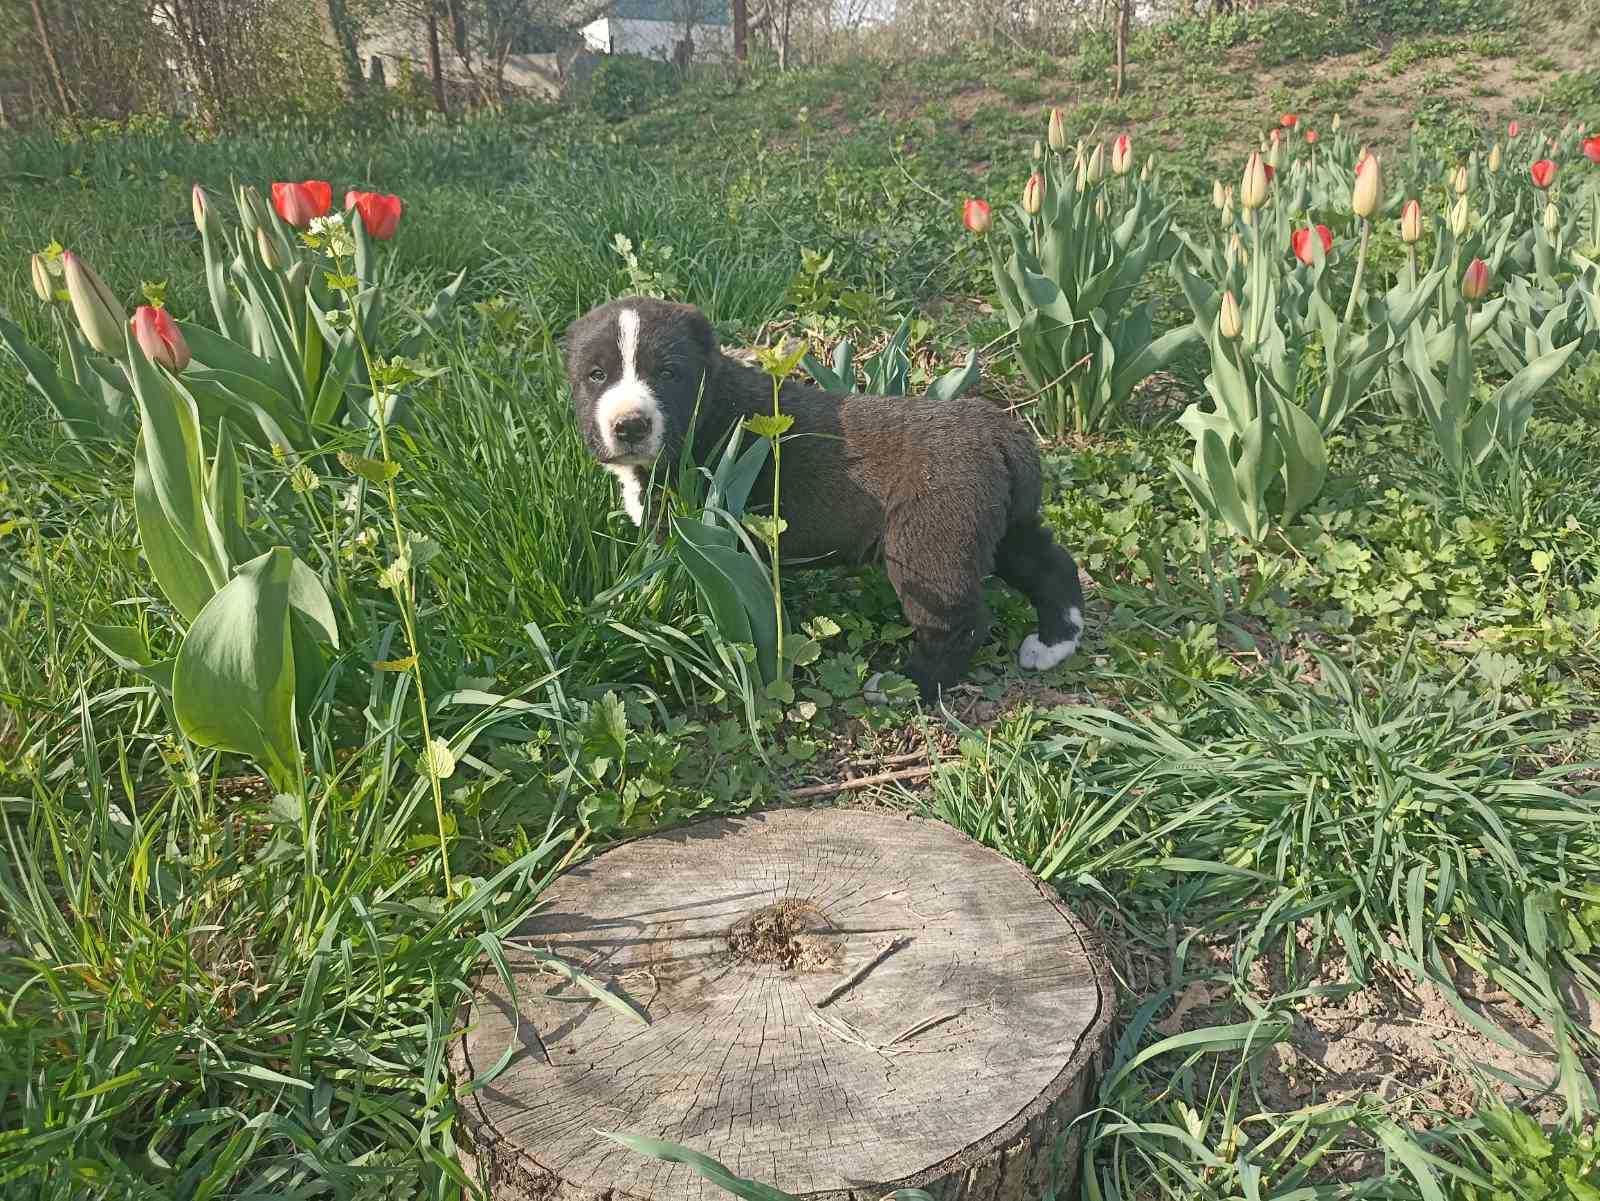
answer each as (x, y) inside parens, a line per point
(597, 375)
(667, 372)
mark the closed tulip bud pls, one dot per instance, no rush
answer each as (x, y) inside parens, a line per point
(1033, 194)
(1237, 253)
(1097, 163)
(1253, 188)
(1475, 282)
(1552, 220)
(158, 336)
(1149, 168)
(1591, 149)
(1366, 198)
(1038, 150)
(1459, 182)
(1217, 194)
(1230, 321)
(1334, 124)
(1100, 209)
(1513, 128)
(197, 203)
(1121, 154)
(1274, 158)
(99, 314)
(43, 288)
(268, 251)
(1083, 173)
(976, 217)
(1460, 217)
(1494, 159)
(1411, 222)
(1057, 132)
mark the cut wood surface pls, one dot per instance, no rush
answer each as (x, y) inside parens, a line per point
(840, 1002)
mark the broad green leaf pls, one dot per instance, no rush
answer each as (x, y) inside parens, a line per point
(225, 495)
(825, 378)
(1502, 421)
(768, 425)
(736, 589)
(182, 577)
(1305, 458)
(309, 598)
(1220, 485)
(81, 418)
(171, 434)
(126, 647)
(233, 685)
(957, 382)
(212, 350)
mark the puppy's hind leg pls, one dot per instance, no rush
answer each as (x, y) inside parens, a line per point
(1032, 562)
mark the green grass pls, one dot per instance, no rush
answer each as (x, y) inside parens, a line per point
(1369, 742)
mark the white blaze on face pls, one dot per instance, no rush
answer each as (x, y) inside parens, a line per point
(628, 397)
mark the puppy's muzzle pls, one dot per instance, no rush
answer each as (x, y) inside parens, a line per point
(632, 432)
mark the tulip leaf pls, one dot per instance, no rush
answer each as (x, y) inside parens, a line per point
(234, 681)
(182, 577)
(1305, 458)
(210, 349)
(335, 381)
(1502, 421)
(957, 382)
(81, 418)
(126, 647)
(1153, 357)
(737, 591)
(171, 430)
(225, 495)
(825, 378)
(1220, 486)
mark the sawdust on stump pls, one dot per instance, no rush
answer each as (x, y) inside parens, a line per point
(840, 1002)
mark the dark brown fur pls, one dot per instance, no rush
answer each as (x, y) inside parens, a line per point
(942, 492)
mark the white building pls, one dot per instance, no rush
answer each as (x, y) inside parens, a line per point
(654, 28)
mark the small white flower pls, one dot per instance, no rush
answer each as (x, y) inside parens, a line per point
(352, 498)
(333, 223)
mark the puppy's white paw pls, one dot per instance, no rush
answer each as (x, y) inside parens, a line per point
(871, 693)
(1041, 656)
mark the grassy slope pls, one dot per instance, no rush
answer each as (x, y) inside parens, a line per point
(1209, 707)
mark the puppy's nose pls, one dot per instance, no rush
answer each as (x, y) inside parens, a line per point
(634, 427)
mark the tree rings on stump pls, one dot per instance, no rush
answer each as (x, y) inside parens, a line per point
(840, 1003)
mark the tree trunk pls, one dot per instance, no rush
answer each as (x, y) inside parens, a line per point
(783, 36)
(1124, 9)
(58, 79)
(836, 1002)
(435, 62)
(741, 30)
(341, 36)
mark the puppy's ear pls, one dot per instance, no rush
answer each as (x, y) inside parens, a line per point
(700, 329)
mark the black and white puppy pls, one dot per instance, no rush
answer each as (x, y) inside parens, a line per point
(942, 493)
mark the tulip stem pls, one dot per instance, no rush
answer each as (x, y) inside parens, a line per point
(1411, 268)
(1361, 269)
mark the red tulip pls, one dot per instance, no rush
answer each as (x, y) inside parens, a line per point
(975, 216)
(380, 213)
(1301, 241)
(300, 203)
(158, 336)
(1271, 171)
(1288, 120)
(1591, 149)
(1543, 172)
(1311, 137)
(1513, 129)
(1475, 283)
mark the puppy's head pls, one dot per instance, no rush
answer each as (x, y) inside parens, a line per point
(636, 366)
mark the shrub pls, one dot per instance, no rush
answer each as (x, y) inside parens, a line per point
(624, 85)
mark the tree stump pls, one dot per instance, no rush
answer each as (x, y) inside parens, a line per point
(840, 1003)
